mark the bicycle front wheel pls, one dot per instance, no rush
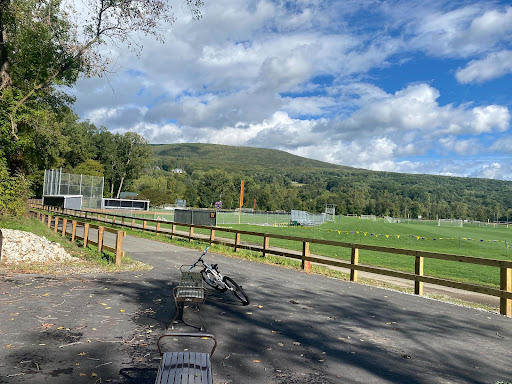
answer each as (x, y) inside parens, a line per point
(210, 279)
(237, 290)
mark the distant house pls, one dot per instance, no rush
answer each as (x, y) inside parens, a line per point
(177, 170)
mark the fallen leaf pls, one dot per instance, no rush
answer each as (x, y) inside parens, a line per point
(82, 354)
(122, 310)
(8, 346)
(256, 361)
(83, 374)
(46, 325)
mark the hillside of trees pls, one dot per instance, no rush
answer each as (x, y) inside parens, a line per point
(276, 180)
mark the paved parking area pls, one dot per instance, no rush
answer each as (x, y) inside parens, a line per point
(299, 328)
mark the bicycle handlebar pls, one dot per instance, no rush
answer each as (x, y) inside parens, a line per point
(200, 258)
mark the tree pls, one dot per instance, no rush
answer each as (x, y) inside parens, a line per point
(133, 154)
(42, 48)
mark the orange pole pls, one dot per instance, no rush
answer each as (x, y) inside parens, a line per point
(241, 199)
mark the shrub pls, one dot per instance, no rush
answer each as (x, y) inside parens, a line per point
(14, 192)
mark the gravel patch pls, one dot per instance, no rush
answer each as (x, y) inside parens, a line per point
(25, 247)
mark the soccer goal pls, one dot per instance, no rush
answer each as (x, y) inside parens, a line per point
(449, 223)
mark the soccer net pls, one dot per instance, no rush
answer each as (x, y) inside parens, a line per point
(369, 217)
(449, 223)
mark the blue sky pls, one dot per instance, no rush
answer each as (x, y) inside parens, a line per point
(401, 86)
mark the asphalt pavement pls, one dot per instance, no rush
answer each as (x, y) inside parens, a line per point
(299, 328)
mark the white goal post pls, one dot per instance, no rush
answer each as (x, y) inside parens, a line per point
(450, 223)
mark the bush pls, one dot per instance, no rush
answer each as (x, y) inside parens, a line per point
(14, 192)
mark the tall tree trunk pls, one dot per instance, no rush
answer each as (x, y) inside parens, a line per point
(120, 187)
(5, 71)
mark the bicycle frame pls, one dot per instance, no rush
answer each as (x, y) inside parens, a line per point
(212, 270)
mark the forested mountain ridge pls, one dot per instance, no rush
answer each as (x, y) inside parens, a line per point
(272, 178)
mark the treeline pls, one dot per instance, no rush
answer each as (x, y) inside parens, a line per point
(214, 174)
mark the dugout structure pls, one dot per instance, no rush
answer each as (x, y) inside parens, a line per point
(60, 184)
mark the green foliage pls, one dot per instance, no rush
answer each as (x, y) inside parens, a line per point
(89, 167)
(13, 193)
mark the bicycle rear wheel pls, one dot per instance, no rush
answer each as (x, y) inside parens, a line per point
(210, 279)
(237, 290)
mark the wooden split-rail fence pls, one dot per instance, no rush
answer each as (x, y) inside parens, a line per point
(503, 267)
(63, 223)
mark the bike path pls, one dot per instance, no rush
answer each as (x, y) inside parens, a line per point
(299, 328)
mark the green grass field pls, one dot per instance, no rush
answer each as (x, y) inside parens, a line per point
(486, 242)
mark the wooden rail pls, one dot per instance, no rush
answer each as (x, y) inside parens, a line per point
(505, 267)
(50, 219)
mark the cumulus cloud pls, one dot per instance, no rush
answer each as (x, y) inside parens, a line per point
(416, 108)
(493, 66)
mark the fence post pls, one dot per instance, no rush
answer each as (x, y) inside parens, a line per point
(237, 241)
(212, 236)
(119, 246)
(173, 230)
(266, 241)
(306, 264)
(145, 224)
(49, 221)
(73, 231)
(157, 227)
(122, 221)
(418, 270)
(191, 233)
(56, 224)
(86, 234)
(64, 225)
(133, 223)
(354, 260)
(100, 238)
(505, 285)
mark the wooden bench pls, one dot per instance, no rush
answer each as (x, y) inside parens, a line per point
(189, 289)
(185, 367)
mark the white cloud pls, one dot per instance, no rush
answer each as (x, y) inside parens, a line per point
(462, 32)
(415, 108)
(491, 67)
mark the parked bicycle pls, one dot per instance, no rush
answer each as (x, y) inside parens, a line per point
(212, 276)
